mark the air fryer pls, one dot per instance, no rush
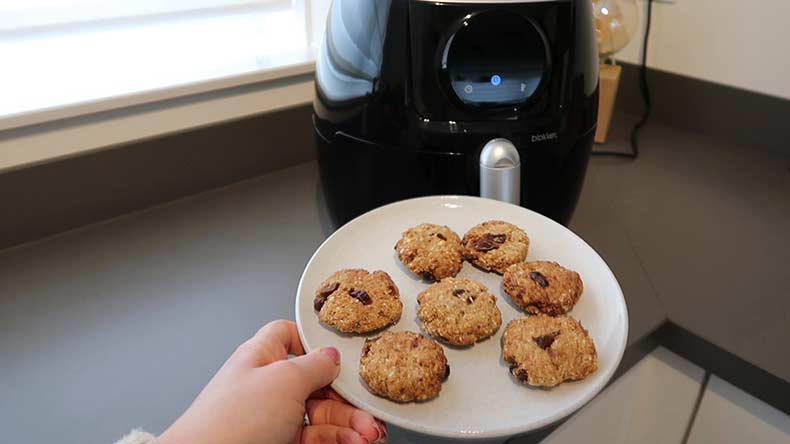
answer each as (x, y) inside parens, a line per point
(493, 99)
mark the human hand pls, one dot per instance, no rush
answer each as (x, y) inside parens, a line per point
(259, 396)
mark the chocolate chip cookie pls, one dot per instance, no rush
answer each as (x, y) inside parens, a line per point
(403, 366)
(543, 287)
(458, 311)
(356, 301)
(495, 245)
(545, 351)
(432, 251)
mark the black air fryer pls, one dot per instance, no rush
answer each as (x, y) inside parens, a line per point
(497, 99)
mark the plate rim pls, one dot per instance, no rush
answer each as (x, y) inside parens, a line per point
(485, 434)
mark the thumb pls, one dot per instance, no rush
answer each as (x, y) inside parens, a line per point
(318, 368)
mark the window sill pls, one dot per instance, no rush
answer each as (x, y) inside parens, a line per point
(32, 145)
(231, 77)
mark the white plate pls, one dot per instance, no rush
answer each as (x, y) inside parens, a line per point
(480, 400)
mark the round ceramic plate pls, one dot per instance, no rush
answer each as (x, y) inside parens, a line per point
(480, 399)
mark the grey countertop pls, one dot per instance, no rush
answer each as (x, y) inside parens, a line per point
(119, 324)
(709, 225)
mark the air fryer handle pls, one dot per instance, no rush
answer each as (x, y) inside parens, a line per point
(500, 171)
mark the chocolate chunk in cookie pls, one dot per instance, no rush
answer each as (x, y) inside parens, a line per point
(356, 301)
(545, 351)
(495, 245)
(543, 287)
(458, 311)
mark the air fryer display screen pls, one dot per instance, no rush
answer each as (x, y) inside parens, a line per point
(495, 59)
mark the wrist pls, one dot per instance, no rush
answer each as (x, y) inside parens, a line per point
(168, 437)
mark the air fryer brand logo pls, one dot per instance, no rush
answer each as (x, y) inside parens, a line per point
(544, 137)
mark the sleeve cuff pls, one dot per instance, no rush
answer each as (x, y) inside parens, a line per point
(138, 436)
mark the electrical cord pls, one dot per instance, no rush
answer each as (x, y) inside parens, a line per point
(645, 90)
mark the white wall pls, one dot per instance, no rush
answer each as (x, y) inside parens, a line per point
(740, 43)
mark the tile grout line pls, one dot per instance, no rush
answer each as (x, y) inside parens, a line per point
(642, 266)
(703, 387)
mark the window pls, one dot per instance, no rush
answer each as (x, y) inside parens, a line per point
(27, 14)
(65, 57)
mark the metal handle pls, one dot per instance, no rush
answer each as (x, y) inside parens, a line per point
(500, 171)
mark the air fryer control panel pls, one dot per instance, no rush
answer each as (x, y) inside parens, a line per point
(489, 61)
(495, 58)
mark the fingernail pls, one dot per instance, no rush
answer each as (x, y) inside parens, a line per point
(382, 430)
(332, 353)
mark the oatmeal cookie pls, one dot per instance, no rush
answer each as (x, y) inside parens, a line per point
(357, 301)
(495, 245)
(545, 351)
(543, 287)
(403, 366)
(431, 251)
(458, 311)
